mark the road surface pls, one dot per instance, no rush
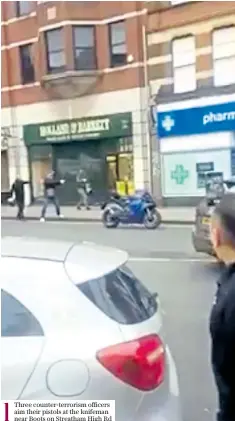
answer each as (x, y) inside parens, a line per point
(166, 263)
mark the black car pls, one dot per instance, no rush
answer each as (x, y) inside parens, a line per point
(201, 231)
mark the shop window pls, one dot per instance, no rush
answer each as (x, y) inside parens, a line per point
(184, 64)
(26, 63)
(224, 56)
(176, 2)
(55, 50)
(84, 47)
(125, 145)
(118, 48)
(120, 173)
(23, 8)
(4, 172)
(41, 165)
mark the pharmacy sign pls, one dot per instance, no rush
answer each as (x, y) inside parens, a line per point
(180, 174)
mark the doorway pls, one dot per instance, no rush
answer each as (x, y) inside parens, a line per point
(73, 157)
(40, 157)
(5, 184)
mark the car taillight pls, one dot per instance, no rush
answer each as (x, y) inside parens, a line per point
(140, 363)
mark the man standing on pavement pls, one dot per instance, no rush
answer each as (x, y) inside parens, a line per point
(83, 189)
(222, 320)
(50, 184)
(17, 190)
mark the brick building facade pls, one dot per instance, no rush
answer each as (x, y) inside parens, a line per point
(81, 79)
(73, 94)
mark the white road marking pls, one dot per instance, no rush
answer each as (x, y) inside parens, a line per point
(170, 259)
(97, 223)
(37, 222)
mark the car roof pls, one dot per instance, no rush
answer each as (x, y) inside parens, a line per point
(82, 261)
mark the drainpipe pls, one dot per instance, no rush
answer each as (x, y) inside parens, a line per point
(13, 120)
(70, 109)
(147, 101)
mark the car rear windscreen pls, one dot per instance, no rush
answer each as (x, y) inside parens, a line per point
(121, 296)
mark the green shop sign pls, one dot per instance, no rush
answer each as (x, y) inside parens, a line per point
(117, 125)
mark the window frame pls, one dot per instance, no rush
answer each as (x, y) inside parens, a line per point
(20, 305)
(59, 50)
(111, 45)
(220, 59)
(24, 79)
(93, 48)
(179, 2)
(183, 66)
(18, 5)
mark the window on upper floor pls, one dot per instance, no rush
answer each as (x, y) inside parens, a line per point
(224, 56)
(56, 60)
(84, 47)
(184, 64)
(23, 8)
(26, 63)
(118, 48)
(176, 2)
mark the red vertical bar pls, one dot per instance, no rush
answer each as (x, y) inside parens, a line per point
(6, 411)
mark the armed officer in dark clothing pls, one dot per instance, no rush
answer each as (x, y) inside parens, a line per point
(17, 190)
(222, 321)
(50, 184)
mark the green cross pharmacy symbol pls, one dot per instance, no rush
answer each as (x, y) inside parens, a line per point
(179, 174)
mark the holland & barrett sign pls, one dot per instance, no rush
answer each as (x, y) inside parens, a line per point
(117, 125)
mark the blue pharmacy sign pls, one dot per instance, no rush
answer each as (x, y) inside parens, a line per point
(198, 120)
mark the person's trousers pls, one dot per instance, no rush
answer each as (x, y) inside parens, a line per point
(20, 207)
(50, 201)
(82, 198)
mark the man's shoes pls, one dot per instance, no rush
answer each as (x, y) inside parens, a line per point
(42, 219)
(61, 216)
(87, 208)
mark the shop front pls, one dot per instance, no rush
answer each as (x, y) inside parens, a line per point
(194, 142)
(99, 146)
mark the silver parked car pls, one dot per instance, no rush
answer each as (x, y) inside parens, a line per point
(204, 210)
(78, 324)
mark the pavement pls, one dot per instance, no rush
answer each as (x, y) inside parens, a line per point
(166, 263)
(171, 215)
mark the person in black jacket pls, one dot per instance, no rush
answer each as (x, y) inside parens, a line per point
(222, 320)
(17, 190)
(50, 184)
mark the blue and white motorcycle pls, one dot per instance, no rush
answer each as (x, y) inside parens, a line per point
(138, 209)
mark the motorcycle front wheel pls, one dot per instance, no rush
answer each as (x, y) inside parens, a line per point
(109, 220)
(152, 219)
